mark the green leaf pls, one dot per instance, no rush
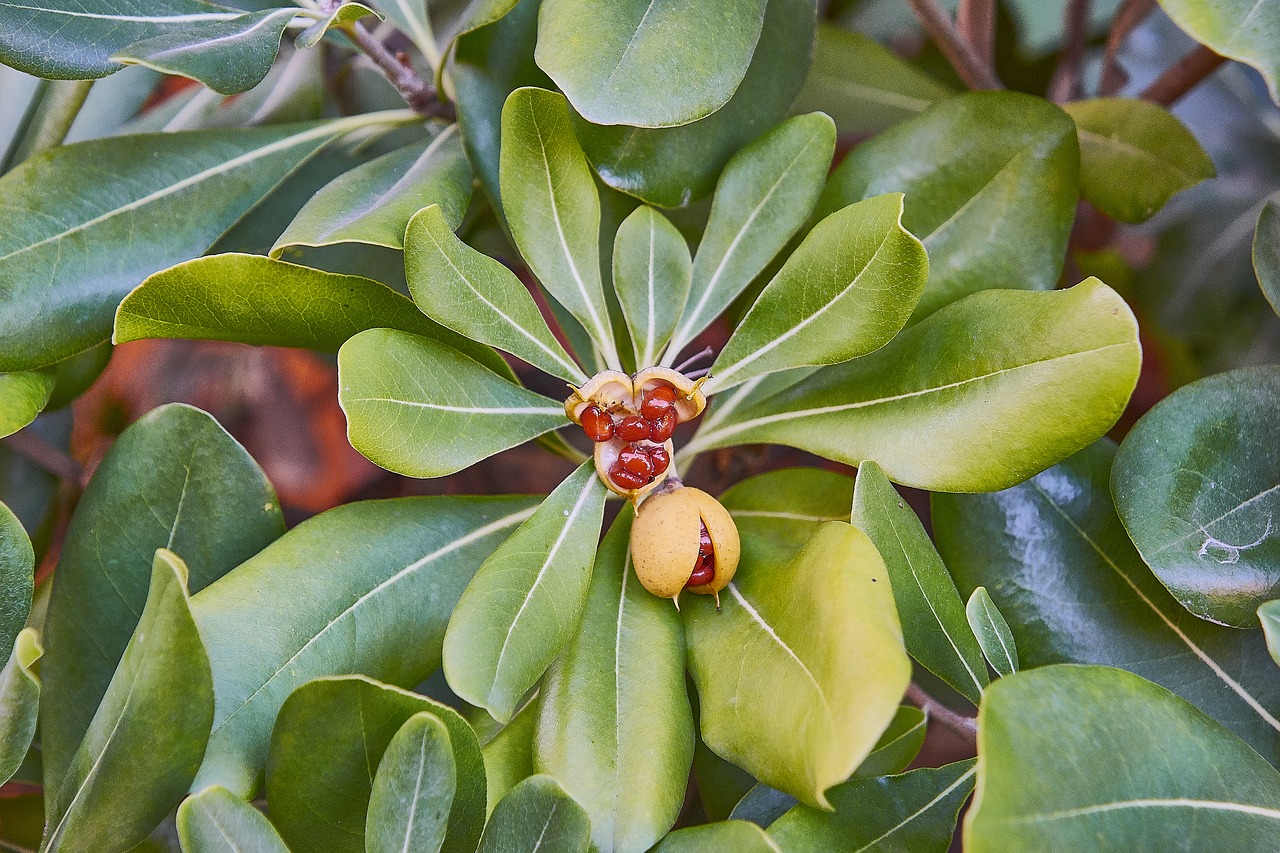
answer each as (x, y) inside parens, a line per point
(537, 815)
(524, 602)
(163, 676)
(932, 407)
(17, 569)
(915, 811)
(863, 86)
(89, 221)
(1266, 253)
(216, 821)
(844, 292)
(990, 180)
(374, 202)
(934, 626)
(1057, 562)
(22, 397)
(1134, 156)
(1197, 485)
(19, 701)
(74, 375)
(475, 295)
(508, 756)
(381, 578)
(651, 275)
(763, 805)
(614, 724)
(1269, 616)
(553, 208)
(64, 40)
(1070, 755)
(340, 18)
(670, 167)
(721, 785)
(764, 195)
(1244, 30)
(614, 60)
(731, 836)
(174, 479)
(336, 730)
(992, 631)
(227, 56)
(413, 789)
(788, 506)
(824, 662)
(255, 300)
(423, 409)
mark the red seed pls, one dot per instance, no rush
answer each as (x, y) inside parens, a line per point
(635, 461)
(659, 458)
(596, 423)
(632, 428)
(624, 478)
(704, 569)
(657, 402)
(662, 428)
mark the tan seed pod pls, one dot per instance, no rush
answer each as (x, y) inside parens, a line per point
(665, 538)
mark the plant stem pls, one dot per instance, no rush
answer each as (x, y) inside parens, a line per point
(417, 93)
(1066, 79)
(1133, 12)
(48, 457)
(962, 56)
(976, 20)
(1183, 75)
(56, 105)
(966, 727)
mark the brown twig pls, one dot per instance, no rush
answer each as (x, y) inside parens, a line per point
(48, 457)
(966, 727)
(962, 55)
(1066, 79)
(976, 20)
(1131, 14)
(1183, 75)
(417, 93)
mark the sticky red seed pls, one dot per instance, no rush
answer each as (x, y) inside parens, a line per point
(704, 568)
(657, 402)
(596, 423)
(662, 428)
(632, 428)
(659, 458)
(636, 461)
(624, 478)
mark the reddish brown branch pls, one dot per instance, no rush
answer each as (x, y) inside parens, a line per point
(976, 20)
(1066, 79)
(1131, 14)
(962, 55)
(417, 93)
(1183, 75)
(966, 727)
(47, 456)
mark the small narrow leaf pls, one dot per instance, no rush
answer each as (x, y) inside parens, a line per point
(508, 756)
(934, 626)
(341, 18)
(731, 836)
(537, 815)
(217, 821)
(163, 675)
(552, 206)
(651, 274)
(17, 581)
(19, 701)
(992, 631)
(762, 198)
(475, 295)
(423, 409)
(844, 292)
(22, 397)
(413, 790)
(524, 603)
(374, 202)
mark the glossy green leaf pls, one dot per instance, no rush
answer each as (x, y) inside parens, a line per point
(934, 625)
(89, 221)
(341, 17)
(23, 396)
(381, 578)
(553, 208)
(818, 631)
(844, 292)
(863, 86)
(537, 815)
(992, 631)
(335, 730)
(1055, 559)
(64, 40)
(614, 724)
(227, 56)
(1197, 485)
(651, 275)
(413, 789)
(1134, 156)
(374, 202)
(524, 602)
(477, 296)
(423, 409)
(217, 821)
(913, 812)
(1266, 253)
(163, 676)
(1071, 755)
(614, 60)
(983, 172)
(508, 756)
(763, 805)
(19, 701)
(670, 167)
(764, 195)
(255, 300)
(932, 407)
(1245, 30)
(175, 479)
(1269, 616)
(732, 836)
(17, 569)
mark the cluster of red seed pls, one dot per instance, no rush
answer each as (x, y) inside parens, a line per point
(644, 457)
(704, 570)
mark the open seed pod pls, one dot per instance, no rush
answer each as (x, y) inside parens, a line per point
(607, 455)
(669, 543)
(617, 392)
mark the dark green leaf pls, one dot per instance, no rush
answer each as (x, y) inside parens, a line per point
(732, 836)
(1266, 253)
(508, 756)
(413, 789)
(651, 275)
(1246, 30)
(342, 17)
(19, 701)
(537, 815)
(22, 397)
(217, 821)
(992, 631)
(74, 375)
(17, 568)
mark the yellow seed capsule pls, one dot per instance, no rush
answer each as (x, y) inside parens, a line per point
(684, 539)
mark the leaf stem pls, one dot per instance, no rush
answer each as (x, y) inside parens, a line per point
(976, 20)
(54, 109)
(1183, 75)
(1133, 12)
(1066, 85)
(417, 93)
(962, 55)
(966, 727)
